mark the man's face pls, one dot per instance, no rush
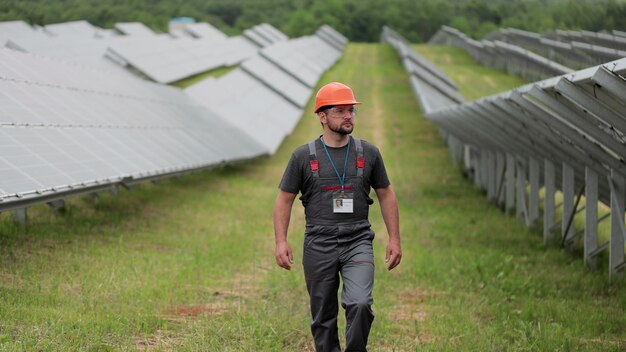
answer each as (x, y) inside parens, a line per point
(340, 118)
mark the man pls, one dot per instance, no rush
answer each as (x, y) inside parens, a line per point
(335, 174)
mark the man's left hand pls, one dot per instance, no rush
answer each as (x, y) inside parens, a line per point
(394, 254)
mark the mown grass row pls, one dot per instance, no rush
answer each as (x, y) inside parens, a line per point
(188, 264)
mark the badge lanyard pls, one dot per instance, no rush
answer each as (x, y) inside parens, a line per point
(341, 178)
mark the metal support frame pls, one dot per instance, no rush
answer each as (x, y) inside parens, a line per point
(484, 180)
(521, 209)
(20, 215)
(617, 184)
(492, 179)
(475, 158)
(568, 200)
(568, 240)
(533, 197)
(500, 173)
(549, 209)
(510, 184)
(466, 157)
(591, 217)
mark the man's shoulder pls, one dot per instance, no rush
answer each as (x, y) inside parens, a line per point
(302, 151)
(367, 146)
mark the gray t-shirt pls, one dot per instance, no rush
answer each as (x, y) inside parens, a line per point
(298, 177)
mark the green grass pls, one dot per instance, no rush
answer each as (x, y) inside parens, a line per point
(474, 81)
(188, 264)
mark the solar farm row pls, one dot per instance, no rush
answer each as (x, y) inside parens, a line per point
(70, 124)
(566, 132)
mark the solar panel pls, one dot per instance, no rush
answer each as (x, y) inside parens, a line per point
(433, 81)
(269, 33)
(73, 28)
(293, 62)
(82, 50)
(256, 38)
(180, 34)
(205, 31)
(278, 80)
(273, 32)
(332, 32)
(10, 29)
(166, 60)
(87, 49)
(331, 36)
(134, 29)
(65, 127)
(106, 33)
(250, 105)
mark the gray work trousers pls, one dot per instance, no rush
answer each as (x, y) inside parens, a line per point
(328, 252)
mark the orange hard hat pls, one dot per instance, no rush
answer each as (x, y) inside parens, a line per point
(334, 93)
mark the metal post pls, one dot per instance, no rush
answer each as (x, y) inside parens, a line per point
(591, 217)
(533, 198)
(568, 200)
(461, 154)
(500, 169)
(20, 216)
(458, 151)
(484, 171)
(477, 169)
(491, 176)
(451, 147)
(548, 206)
(618, 203)
(510, 183)
(521, 211)
(467, 157)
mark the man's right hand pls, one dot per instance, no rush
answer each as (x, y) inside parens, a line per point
(284, 256)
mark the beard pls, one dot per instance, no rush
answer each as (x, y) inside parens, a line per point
(341, 129)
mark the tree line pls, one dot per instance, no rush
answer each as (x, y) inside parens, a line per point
(359, 20)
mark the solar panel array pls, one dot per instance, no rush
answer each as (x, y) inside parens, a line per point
(163, 58)
(571, 48)
(272, 86)
(167, 59)
(77, 42)
(606, 40)
(331, 36)
(68, 128)
(170, 59)
(567, 132)
(74, 28)
(504, 56)
(263, 35)
(65, 127)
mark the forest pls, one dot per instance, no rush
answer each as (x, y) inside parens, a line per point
(359, 20)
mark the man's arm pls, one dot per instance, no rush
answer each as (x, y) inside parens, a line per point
(282, 215)
(389, 209)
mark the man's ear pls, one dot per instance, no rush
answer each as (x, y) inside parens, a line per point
(323, 117)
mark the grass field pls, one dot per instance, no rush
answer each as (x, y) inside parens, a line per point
(188, 264)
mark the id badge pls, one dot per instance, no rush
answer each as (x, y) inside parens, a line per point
(343, 202)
